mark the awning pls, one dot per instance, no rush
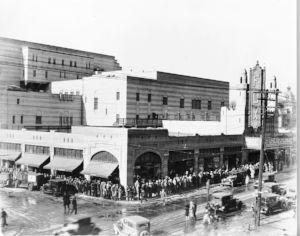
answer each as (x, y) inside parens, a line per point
(100, 168)
(34, 160)
(64, 164)
(9, 155)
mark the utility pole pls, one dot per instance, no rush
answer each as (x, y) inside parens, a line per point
(264, 97)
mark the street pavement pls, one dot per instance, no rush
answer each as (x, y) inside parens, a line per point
(34, 213)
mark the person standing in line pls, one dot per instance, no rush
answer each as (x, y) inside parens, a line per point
(74, 205)
(3, 218)
(66, 201)
(247, 179)
(195, 210)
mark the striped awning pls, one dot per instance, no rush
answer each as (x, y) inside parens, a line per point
(9, 155)
(34, 160)
(64, 164)
(100, 168)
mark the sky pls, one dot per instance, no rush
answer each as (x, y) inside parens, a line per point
(215, 39)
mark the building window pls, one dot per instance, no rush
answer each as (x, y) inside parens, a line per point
(34, 73)
(71, 63)
(38, 119)
(71, 120)
(196, 104)
(13, 119)
(137, 117)
(222, 104)
(33, 57)
(89, 65)
(118, 95)
(60, 74)
(149, 97)
(54, 61)
(75, 64)
(62, 62)
(137, 97)
(117, 117)
(149, 117)
(77, 93)
(181, 103)
(21, 120)
(18, 101)
(49, 60)
(209, 105)
(60, 120)
(95, 103)
(65, 75)
(105, 111)
(36, 59)
(46, 74)
(165, 101)
(77, 76)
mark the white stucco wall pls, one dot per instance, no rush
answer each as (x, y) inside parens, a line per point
(105, 89)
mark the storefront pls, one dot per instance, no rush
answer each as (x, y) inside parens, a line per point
(210, 158)
(180, 162)
(232, 157)
(148, 166)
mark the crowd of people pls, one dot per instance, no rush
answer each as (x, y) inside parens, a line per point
(143, 189)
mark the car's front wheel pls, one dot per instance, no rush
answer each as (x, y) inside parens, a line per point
(144, 233)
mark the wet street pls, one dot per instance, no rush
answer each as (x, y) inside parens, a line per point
(35, 213)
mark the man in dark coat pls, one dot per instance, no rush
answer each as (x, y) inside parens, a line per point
(66, 202)
(74, 205)
(3, 218)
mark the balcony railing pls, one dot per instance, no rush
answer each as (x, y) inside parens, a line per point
(131, 122)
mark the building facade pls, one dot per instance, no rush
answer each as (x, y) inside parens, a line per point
(126, 99)
(26, 72)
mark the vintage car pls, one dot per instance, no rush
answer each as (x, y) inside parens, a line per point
(82, 226)
(271, 202)
(267, 178)
(132, 225)
(58, 187)
(6, 179)
(225, 203)
(274, 188)
(35, 181)
(233, 180)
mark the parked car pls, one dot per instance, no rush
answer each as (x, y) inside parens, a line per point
(274, 188)
(267, 178)
(58, 187)
(35, 181)
(271, 202)
(6, 179)
(132, 225)
(225, 203)
(233, 180)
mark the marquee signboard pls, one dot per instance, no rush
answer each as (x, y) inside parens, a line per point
(274, 143)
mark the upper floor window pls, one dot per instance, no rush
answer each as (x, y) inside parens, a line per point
(77, 76)
(49, 60)
(165, 101)
(196, 104)
(209, 105)
(149, 97)
(38, 119)
(137, 96)
(181, 103)
(118, 95)
(46, 74)
(13, 119)
(71, 63)
(21, 120)
(60, 74)
(77, 93)
(62, 62)
(36, 58)
(222, 104)
(95, 103)
(54, 61)
(18, 100)
(75, 64)
(65, 75)
(34, 73)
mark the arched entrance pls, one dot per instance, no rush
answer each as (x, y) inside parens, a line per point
(103, 165)
(148, 166)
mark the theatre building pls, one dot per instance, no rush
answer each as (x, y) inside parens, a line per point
(118, 153)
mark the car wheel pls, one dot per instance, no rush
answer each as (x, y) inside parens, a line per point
(283, 205)
(144, 233)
